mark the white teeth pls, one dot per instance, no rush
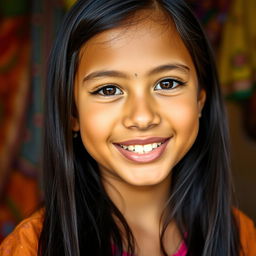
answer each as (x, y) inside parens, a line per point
(138, 149)
(130, 148)
(141, 149)
(154, 145)
(147, 148)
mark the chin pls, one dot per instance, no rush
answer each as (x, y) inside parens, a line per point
(146, 181)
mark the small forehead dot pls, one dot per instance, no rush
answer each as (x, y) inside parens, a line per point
(135, 74)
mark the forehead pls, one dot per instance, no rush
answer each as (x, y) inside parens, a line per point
(151, 40)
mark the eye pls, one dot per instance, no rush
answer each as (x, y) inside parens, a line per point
(168, 84)
(108, 90)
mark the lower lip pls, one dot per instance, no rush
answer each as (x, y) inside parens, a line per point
(143, 158)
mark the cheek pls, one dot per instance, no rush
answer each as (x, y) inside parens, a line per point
(96, 124)
(183, 117)
(183, 114)
(92, 119)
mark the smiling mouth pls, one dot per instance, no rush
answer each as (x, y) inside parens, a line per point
(141, 149)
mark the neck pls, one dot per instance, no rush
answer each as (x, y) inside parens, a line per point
(139, 204)
(142, 207)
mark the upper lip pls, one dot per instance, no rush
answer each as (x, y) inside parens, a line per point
(143, 141)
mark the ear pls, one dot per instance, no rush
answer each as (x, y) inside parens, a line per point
(201, 101)
(75, 124)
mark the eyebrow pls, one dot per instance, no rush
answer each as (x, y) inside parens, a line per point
(118, 74)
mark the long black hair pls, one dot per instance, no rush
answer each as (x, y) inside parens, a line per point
(80, 218)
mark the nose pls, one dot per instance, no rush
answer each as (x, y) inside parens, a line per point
(141, 113)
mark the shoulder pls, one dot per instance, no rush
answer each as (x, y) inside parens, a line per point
(247, 233)
(23, 241)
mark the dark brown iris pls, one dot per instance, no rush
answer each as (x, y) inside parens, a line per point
(166, 84)
(109, 91)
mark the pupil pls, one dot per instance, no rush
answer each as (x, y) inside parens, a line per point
(165, 84)
(109, 91)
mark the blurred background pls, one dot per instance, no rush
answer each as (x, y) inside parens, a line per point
(27, 30)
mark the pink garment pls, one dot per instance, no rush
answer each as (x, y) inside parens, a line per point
(182, 250)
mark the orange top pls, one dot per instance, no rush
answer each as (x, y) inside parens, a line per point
(23, 241)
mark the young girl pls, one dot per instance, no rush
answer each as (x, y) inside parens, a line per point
(136, 155)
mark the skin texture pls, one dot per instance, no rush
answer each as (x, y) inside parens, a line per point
(139, 109)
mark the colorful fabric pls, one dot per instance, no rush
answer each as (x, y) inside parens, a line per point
(182, 250)
(25, 42)
(237, 62)
(213, 15)
(14, 86)
(15, 58)
(24, 240)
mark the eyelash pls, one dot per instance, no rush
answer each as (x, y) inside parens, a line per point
(178, 83)
(166, 80)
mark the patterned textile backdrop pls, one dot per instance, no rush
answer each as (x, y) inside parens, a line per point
(238, 60)
(14, 79)
(230, 26)
(26, 34)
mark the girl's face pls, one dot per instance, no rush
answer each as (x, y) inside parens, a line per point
(138, 101)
